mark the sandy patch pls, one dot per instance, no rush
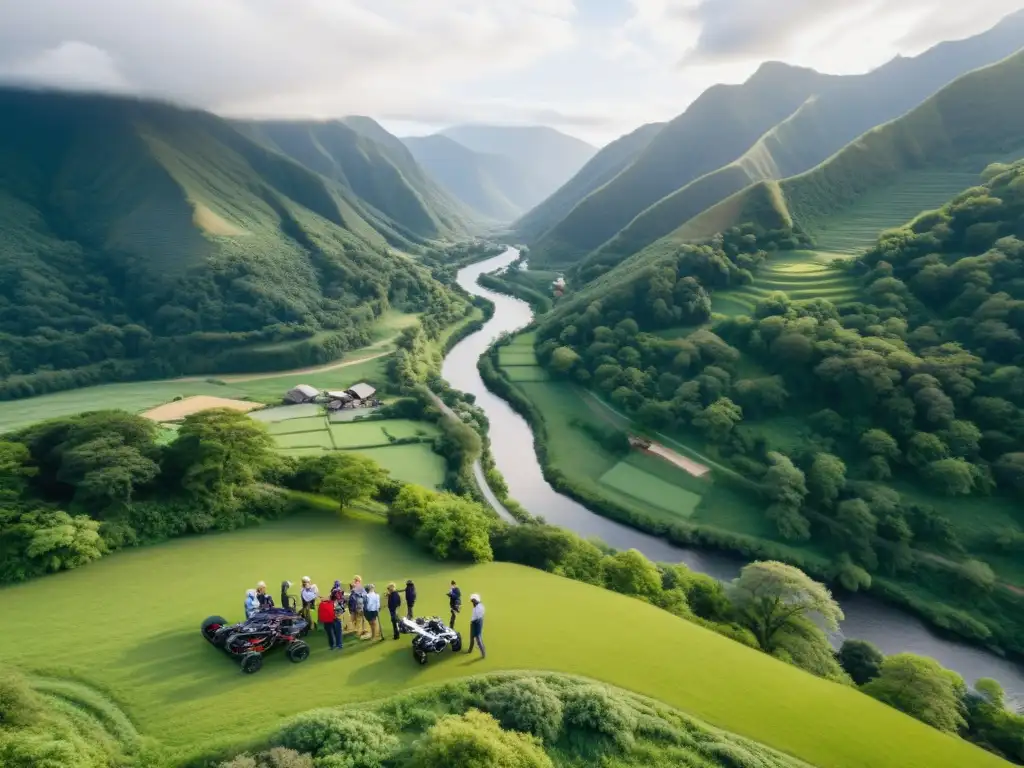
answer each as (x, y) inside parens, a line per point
(179, 409)
(689, 465)
(212, 224)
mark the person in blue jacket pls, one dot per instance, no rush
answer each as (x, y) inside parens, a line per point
(252, 603)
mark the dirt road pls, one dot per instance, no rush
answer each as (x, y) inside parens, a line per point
(684, 463)
(235, 379)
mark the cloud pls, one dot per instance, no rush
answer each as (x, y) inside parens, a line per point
(303, 57)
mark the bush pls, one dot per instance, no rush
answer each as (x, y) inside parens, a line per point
(278, 757)
(596, 710)
(475, 740)
(527, 705)
(19, 705)
(351, 741)
(27, 749)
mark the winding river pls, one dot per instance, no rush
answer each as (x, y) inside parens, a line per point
(892, 630)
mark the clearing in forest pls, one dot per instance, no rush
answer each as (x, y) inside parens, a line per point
(800, 275)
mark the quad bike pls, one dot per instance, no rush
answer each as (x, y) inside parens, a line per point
(430, 636)
(248, 640)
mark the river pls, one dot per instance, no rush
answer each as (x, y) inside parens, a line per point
(889, 628)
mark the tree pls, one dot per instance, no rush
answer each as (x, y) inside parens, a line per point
(826, 478)
(859, 526)
(353, 478)
(878, 442)
(921, 688)
(1010, 471)
(785, 485)
(475, 740)
(59, 541)
(631, 573)
(220, 449)
(924, 448)
(14, 469)
(718, 419)
(951, 477)
(564, 359)
(770, 595)
(105, 471)
(861, 660)
(528, 705)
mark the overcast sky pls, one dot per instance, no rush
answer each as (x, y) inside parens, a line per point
(593, 68)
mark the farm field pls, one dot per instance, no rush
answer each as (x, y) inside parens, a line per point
(799, 274)
(412, 463)
(635, 482)
(161, 673)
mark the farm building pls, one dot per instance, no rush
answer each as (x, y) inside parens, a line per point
(361, 391)
(303, 393)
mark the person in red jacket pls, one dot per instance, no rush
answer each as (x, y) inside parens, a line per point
(326, 612)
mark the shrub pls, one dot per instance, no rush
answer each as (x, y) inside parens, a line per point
(19, 706)
(278, 757)
(27, 749)
(596, 710)
(352, 741)
(527, 705)
(475, 740)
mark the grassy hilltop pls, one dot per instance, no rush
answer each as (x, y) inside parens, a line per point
(177, 689)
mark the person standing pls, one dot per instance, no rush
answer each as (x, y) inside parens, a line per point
(373, 611)
(286, 600)
(410, 597)
(252, 604)
(309, 594)
(476, 625)
(332, 627)
(357, 606)
(394, 603)
(265, 600)
(454, 602)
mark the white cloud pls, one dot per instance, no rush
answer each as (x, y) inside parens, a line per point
(70, 64)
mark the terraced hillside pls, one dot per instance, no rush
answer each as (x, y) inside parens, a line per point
(798, 274)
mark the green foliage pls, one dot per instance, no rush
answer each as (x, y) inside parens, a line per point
(527, 705)
(352, 478)
(594, 710)
(921, 688)
(278, 757)
(861, 660)
(631, 573)
(475, 740)
(338, 740)
(447, 526)
(19, 706)
(218, 450)
(769, 596)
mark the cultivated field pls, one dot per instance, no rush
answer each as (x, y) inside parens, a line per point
(179, 409)
(409, 462)
(157, 675)
(799, 274)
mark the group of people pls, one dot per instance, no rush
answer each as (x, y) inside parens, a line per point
(359, 609)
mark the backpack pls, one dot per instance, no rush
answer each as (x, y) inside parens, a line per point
(326, 611)
(356, 601)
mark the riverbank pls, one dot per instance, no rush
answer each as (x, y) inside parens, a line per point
(513, 440)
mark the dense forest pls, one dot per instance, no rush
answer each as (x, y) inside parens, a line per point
(222, 254)
(921, 385)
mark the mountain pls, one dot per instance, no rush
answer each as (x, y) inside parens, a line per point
(602, 168)
(718, 127)
(138, 239)
(975, 120)
(822, 125)
(492, 185)
(377, 167)
(546, 158)
(876, 182)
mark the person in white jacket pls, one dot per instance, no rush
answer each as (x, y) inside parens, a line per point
(372, 611)
(476, 625)
(308, 595)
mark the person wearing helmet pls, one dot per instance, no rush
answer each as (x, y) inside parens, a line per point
(265, 600)
(476, 625)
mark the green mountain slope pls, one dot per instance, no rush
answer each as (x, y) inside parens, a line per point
(950, 138)
(824, 124)
(602, 168)
(374, 165)
(142, 240)
(489, 184)
(546, 158)
(716, 129)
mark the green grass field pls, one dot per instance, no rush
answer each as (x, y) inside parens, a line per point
(373, 433)
(635, 482)
(412, 463)
(799, 274)
(320, 439)
(173, 686)
(301, 424)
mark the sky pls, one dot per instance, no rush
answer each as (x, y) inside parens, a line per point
(592, 68)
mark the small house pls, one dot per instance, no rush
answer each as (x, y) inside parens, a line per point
(361, 391)
(303, 393)
(337, 400)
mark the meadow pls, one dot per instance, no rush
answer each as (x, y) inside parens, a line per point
(171, 685)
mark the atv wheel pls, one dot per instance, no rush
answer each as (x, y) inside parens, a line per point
(251, 663)
(297, 651)
(457, 643)
(420, 656)
(210, 626)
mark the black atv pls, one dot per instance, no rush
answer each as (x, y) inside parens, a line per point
(248, 640)
(430, 636)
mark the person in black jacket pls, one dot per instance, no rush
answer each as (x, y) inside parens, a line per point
(286, 600)
(410, 597)
(454, 602)
(394, 603)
